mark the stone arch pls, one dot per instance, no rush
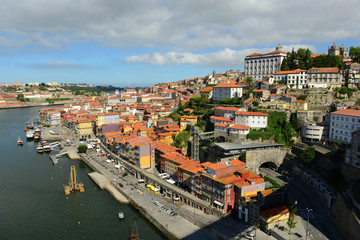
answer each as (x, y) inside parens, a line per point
(261, 162)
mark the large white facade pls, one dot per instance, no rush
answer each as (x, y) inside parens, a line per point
(296, 79)
(259, 65)
(252, 119)
(227, 90)
(343, 123)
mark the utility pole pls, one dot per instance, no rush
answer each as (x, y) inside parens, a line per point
(307, 224)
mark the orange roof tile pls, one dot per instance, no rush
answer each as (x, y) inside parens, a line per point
(251, 113)
(227, 85)
(348, 112)
(274, 211)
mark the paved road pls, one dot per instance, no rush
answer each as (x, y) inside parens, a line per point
(301, 195)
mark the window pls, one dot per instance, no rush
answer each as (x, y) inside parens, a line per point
(228, 199)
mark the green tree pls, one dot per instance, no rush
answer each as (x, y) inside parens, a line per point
(308, 155)
(225, 101)
(82, 148)
(354, 54)
(291, 224)
(43, 84)
(297, 59)
(249, 81)
(328, 61)
(204, 98)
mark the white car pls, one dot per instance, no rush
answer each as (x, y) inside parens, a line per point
(108, 161)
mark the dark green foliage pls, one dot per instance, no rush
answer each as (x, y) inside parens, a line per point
(249, 81)
(195, 99)
(225, 101)
(300, 59)
(346, 90)
(328, 61)
(255, 103)
(308, 155)
(278, 128)
(181, 140)
(274, 183)
(82, 148)
(354, 54)
(293, 120)
(357, 102)
(302, 97)
(204, 98)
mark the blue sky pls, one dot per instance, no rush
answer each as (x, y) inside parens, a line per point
(144, 42)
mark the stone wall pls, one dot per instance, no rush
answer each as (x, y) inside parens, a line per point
(345, 218)
(350, 173)
(255, 158)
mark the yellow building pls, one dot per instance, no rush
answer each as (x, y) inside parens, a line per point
(100, 120)
(183, 125)
(84, 129)
(299, 105)
(274, 216)
(166, 137)
(191, 120)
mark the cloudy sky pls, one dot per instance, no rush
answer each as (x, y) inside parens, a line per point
(143, 42)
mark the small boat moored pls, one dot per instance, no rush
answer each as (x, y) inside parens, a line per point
(19, 141)
(46, 146)
(39, 148)
(121, 215)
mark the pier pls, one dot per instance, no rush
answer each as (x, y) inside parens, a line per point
(54, 159)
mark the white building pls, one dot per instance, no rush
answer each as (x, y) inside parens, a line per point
(252, 119)
(343, 123)
(259, 65)
(296, 79)
(313, 132)
(324, 77)
(227, 90)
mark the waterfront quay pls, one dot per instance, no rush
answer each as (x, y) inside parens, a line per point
(191, 223)
(143, 200)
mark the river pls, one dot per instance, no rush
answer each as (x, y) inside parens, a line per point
(32, 200)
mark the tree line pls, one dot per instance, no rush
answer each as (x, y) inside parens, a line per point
(301, 59)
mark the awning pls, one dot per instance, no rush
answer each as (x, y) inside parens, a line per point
(218, 203)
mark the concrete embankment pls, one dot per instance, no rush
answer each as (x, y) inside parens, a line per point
(164, 222)
(104, 183)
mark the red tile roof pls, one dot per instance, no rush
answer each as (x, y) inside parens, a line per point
(274, 211)
(327, 70)
(227, 85)
(239, 127)
(348, 112)
(252, 113)
(221, 119)
(290, 72)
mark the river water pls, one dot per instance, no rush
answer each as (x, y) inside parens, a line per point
(32, 200)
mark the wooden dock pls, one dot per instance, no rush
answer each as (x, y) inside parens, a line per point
(54, 159)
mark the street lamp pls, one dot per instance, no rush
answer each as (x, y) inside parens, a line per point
(307, 224)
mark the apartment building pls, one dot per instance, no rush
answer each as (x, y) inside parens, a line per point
(296, 79)
(252, 119)
(343, 123)
(227, 90)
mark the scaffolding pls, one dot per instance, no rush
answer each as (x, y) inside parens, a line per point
(73, 185)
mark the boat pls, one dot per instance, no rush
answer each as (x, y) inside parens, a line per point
(19, 141)
(30, 134)
(121, 215)
(133, 234)
(39, 148)
(37, 135)
(29, 125)
(46, 146)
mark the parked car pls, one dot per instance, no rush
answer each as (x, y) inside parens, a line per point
(157, 203)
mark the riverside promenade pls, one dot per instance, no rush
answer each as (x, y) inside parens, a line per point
(142, 199)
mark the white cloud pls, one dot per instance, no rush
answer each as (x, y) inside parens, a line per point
(60, 64)
(223, 58)
(176, 25)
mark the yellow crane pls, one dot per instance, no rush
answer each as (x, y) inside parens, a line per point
(73, 185)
